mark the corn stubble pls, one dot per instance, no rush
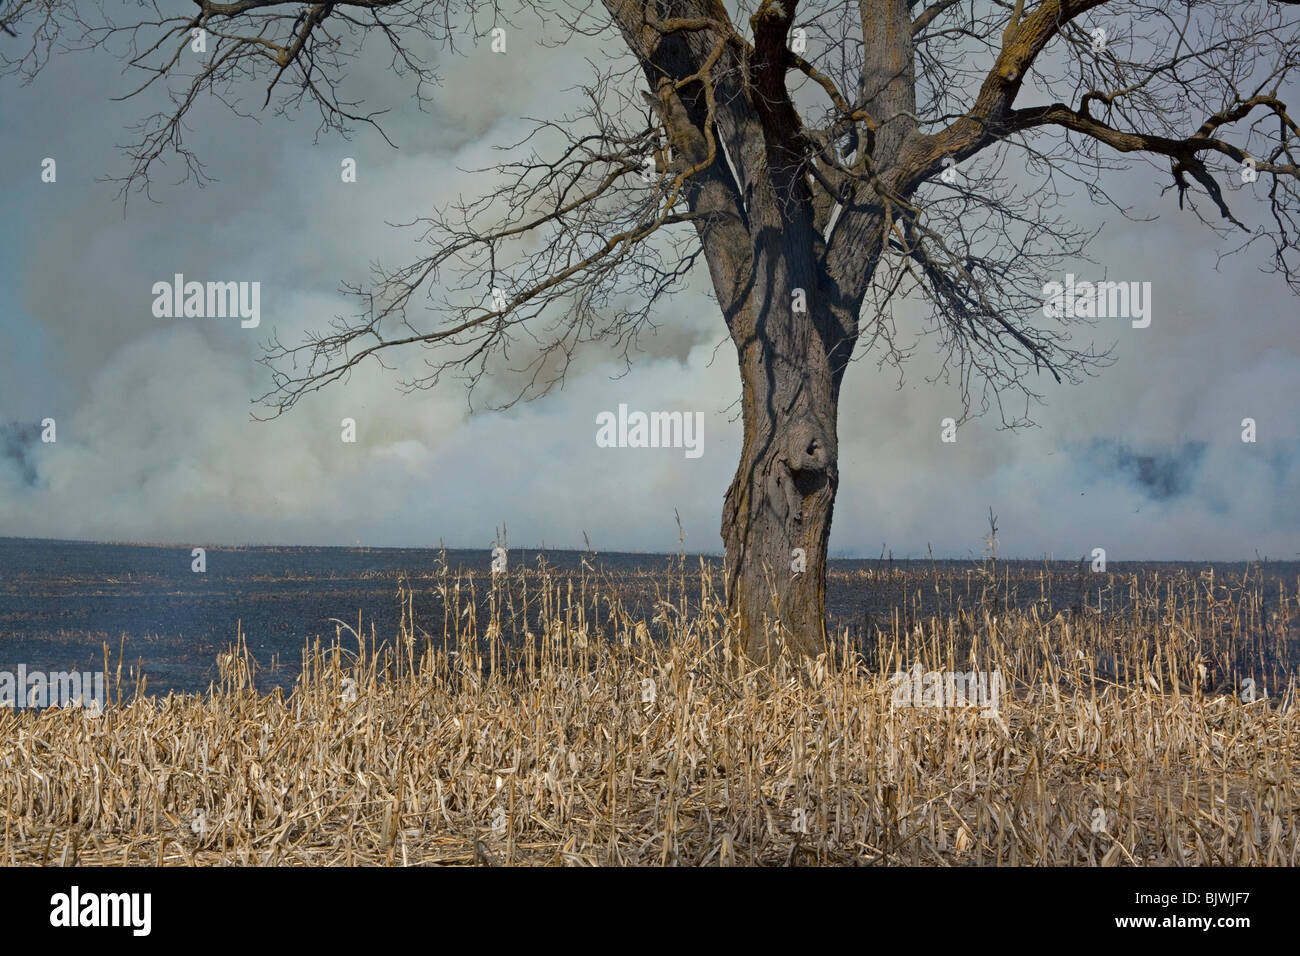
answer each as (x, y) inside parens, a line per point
(1119, 740)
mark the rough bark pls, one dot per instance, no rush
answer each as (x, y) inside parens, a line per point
(777, 513)
(792, 319)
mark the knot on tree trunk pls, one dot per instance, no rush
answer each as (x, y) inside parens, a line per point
(808, 464)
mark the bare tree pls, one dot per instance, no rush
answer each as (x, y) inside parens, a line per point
(808, 153)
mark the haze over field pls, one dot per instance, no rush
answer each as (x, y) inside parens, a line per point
(155, 442)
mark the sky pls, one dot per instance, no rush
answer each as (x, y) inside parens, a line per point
(155, 440)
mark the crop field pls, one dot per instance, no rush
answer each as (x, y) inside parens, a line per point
(974, 715)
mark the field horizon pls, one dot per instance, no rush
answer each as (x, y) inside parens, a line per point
(61, 602)
(542, 547)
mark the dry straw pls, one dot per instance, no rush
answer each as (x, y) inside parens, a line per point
(1119, 740)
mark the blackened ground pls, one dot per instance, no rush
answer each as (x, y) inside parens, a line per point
(60, 602)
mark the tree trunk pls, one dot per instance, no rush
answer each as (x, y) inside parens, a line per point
(794, 324)
(777, 515)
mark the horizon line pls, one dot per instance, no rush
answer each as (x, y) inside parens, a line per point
(596, 551)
